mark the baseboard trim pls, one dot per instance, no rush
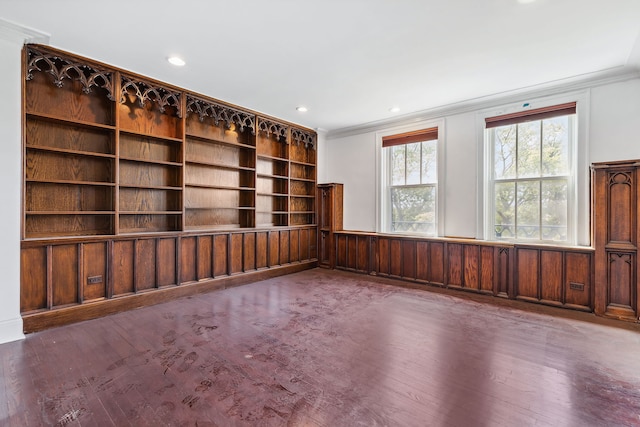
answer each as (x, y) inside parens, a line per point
(11, 330)
(48, 319)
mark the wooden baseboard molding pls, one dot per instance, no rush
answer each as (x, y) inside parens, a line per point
(77, 313)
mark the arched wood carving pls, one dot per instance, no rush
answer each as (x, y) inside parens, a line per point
(270, 127)
(302, 137)
(62, 68)
(218, 112)
(146, 92)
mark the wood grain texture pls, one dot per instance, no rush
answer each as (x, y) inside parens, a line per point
(327, 348)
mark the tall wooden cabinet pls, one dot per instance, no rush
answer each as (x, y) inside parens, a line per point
(329, 220)
(616, 198)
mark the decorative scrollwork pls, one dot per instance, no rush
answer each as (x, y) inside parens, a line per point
(307, 138)
(269, 127)
(147, 92)
(64, 68)
(218, 113)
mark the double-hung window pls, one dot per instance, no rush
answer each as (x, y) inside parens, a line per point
(531, 179)
(412, 178)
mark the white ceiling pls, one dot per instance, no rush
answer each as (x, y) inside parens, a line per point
(348, 61)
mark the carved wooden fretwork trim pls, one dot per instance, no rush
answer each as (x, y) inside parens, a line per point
(270, 127)
(147, 92)
(307, 138)
(64, 68)
(619, 178)
(219, 112)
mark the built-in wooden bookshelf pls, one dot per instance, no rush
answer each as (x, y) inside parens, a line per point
(132, 185)
(108, 152)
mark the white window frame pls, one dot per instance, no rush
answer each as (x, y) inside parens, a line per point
(383, 178)
(578, 198)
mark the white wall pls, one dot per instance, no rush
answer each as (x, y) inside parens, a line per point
(12, 38)
(613, 134)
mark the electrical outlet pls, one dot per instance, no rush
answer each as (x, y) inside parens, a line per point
(576, 286)
(92, 280)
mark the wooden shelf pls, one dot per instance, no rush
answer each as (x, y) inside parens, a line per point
(219, 165)
(273, 212)
(302, 196)
(272, 194)
(154, 162)
(150, 135)
(278, 159)
(142, 212)
(70, 182)
(151, 187)
(302, 163)
(67, 121)
(265, 175)
(237, 208)
(217, 141)
(219, 187)
(70, 212)
(72, 152)
(302, 179)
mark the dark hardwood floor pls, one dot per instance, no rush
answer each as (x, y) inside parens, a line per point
(327, 348)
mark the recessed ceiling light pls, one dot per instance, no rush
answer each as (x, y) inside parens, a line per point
(174, 60)
(394, 109)
(302, 109)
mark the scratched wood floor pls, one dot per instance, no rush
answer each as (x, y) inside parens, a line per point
(327, 348)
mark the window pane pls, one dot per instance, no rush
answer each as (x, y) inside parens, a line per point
(429, 162)
(529, 149)
(413, 163)
(528, 210)
(555, 146)
(413, 209)
(554, 209)
(505, 213)
(397, 165)
(504, 151)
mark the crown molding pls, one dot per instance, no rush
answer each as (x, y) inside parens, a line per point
(581, 82)
(13, 32)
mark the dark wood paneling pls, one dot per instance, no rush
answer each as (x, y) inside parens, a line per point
(363, 247)
(551, 276)
(383, 256)
(294, 246)
(455, 264)
(94, 266)
(422, 261)
(236, 256)
(284, 247)
(436, 263)
(305, 242)
(352, 252)
(471, 267)
(249, 251)
(577, 287)
(527, 273)
(188, 259)
(504, 272)
(166, 261)
(33, 279)
(64, 279)
(123, 267)
(220, 251)
(205, 257)
(395, 257)
(341, 253)
(622, 283)
(262, 249)
(487, 268)
(145, 262)
(274, 248)
(409, 270)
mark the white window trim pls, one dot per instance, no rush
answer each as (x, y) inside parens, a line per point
(382, 175)
(579, 215)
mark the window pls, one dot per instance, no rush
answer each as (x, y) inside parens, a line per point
(411, 190)
(531, 180)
